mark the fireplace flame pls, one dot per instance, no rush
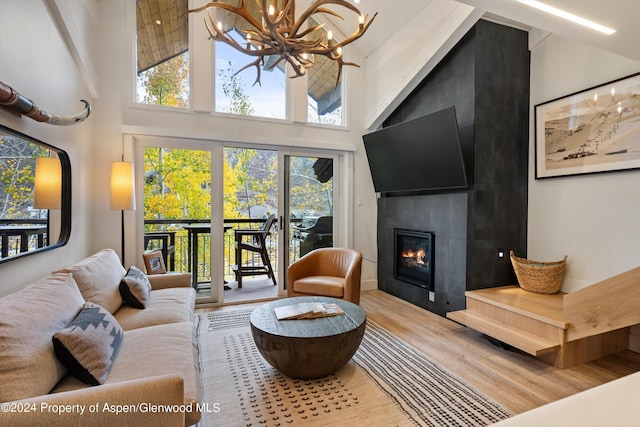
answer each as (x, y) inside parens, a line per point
(418, 255)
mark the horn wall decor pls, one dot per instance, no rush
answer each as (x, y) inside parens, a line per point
(16, 103)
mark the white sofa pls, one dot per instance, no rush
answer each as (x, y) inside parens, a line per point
(154, 377)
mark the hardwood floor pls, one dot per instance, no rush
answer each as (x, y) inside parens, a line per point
(516, 380)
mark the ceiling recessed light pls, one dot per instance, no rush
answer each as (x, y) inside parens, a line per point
(568, 16)
(158, 22)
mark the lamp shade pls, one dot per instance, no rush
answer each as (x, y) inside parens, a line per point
(47, 191)
(122, 186)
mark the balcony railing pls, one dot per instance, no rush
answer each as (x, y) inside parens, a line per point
(183, 253)
(22, 235)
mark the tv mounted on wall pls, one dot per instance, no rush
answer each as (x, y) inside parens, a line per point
(416, 155)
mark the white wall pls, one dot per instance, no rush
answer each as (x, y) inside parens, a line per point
(35, 61)
(591, 218)
(401, 63)
(594, 219)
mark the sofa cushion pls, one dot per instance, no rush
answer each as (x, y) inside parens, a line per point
(98, 278)
(155, 351)
(28, 320)
(89, 344)
(135, 288)
(169, 305)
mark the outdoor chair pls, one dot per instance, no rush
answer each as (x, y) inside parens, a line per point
(329, 272)
(254, 241)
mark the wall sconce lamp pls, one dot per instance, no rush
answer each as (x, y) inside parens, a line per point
(47, 191)
(123, 196)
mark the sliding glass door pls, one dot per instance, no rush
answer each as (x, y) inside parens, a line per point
(309, 204)
(250, 194)
(176, 178)
(235, 216)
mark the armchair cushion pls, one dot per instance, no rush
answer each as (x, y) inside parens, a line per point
(329, 286)
(135, 288)
(89, 345)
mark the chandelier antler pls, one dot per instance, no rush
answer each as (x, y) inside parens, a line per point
(280, 34)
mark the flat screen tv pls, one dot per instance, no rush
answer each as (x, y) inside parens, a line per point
(417, 155)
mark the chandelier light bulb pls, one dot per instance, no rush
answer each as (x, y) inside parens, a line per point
(329, 35)
(272, 10)
(361, 19)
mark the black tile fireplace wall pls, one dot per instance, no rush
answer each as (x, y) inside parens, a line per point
(486, 78)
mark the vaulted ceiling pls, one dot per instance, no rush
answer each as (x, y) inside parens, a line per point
(163, 26)
(621, 15)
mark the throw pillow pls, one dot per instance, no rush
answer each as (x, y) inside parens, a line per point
(135, 288)
(89, 344)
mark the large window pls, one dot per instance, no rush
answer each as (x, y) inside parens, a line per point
(163, 74)
(162, 53)
(324, 92)
(238, 94)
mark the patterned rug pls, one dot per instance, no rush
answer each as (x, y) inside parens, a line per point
(387, 383)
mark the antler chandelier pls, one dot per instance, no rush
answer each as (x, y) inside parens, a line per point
(284, 36)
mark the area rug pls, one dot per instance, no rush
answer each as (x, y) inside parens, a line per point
(387, 383)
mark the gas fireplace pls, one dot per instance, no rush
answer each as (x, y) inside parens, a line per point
(414, 256)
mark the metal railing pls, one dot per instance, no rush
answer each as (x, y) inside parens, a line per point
(11, 239)
(183, 254)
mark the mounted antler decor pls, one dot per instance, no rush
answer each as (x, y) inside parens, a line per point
(16, 103)
(281, 35)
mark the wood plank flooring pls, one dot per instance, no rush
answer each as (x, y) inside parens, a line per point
(515, 379)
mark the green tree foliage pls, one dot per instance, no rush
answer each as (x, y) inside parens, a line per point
(234, 89)
(250, 183)
(17, 175)
(167, 83)
(307, 195)
(177, 184)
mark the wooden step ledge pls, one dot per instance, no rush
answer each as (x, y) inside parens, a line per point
(525, 341)
(544, 308)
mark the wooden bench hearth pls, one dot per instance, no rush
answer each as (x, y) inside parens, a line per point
(561, 329)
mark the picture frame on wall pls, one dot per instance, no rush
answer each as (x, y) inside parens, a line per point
(592, 131)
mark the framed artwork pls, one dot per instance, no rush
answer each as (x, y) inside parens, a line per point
(592, 131)
(154, 263)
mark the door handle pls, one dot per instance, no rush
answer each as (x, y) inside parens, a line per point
(281, 222)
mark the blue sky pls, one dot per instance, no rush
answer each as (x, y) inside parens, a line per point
(268, 99)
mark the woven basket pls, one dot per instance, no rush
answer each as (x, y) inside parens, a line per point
(538, 277)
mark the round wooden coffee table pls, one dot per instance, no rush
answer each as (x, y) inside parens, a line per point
(308, 348)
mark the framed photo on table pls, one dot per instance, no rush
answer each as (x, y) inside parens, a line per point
(591, 131)
(154, 263)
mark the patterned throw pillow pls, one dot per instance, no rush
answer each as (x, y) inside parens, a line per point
(135, 288)
(89, 344)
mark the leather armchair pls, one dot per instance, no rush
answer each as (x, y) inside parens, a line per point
(330, 272)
